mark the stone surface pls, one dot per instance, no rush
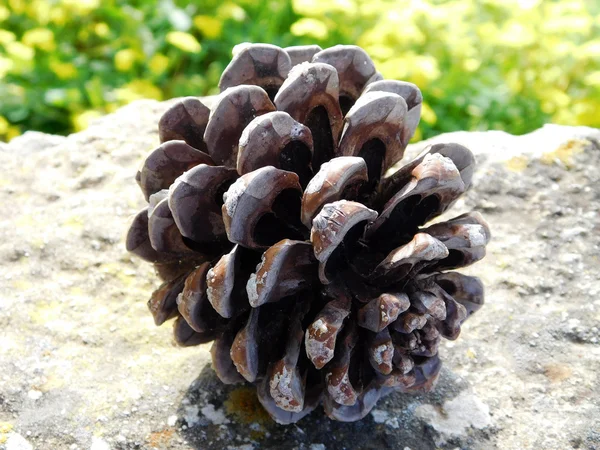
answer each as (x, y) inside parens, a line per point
(456, 416)
(82, 365)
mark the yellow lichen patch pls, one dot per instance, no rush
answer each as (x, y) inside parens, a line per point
(46, 312)
(160, 438)
(565, 152)
(74, 223)
(54, 380)
(5, 429)
(21, 284)
(517, 163)
(503, 264)
(557, 373)
(76, 291)
(37, 242)
(244, 405)
(25, 221)
(125, 276)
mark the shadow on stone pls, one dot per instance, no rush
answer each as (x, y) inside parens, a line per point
(217, 416)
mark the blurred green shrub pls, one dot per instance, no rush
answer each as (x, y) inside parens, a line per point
(502, 64)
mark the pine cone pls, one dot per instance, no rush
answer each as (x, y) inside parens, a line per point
(279, 238)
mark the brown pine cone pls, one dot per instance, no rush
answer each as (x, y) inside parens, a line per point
(279, 237)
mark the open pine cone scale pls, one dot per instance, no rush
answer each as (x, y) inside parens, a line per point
(278, 236)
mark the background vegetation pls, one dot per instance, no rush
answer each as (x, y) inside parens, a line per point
(502, 64)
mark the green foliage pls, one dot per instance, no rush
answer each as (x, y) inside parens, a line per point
(510, 64)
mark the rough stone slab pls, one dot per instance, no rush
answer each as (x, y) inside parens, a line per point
(83, 367)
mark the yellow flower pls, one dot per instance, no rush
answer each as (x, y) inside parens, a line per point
(7, 36)
(138, 89)
(13, 132)
(81, 6)
(586, 112)
(158, 64)
(563, 24)
(593, 79)
(4, 13)
(111, 107)
(101, 29)
(184, 41)
(125, 59)
(471, 64)
(528, 4)
(64, 71)
(429, 67)
(58, 16)
(418, 135)
(18, 50)
(513, 81)
(310, 27)
(419, 69)
(488, 31)
(209, 26)
(39, 11)
(82, 120)
(553, 99)
(394, 68)
(318, 8)
(379, 52)
(3, 125)
(17, 6)
(516, 35)
(428, 114)
(424, 69)
(231, 11)
(6, 66)
(590, 49)
(42, 38)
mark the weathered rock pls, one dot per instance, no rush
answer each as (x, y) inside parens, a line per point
(456, 416)
(74, 325)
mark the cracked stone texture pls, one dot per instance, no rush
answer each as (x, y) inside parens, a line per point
(83, 367)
